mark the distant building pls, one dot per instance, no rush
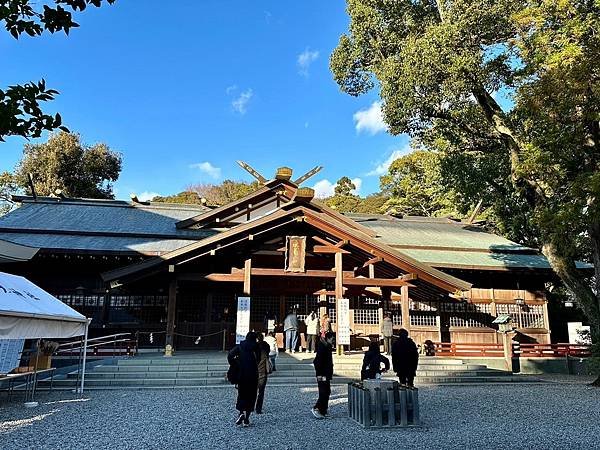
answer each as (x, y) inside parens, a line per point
(177, 270)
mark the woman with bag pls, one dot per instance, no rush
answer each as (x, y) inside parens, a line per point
(243, 371)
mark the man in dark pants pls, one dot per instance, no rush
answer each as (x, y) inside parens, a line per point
(263, 371)
(243, 359)
(324, 371)
(405, 358)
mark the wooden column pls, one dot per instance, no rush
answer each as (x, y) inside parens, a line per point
(247, 275)
(339, 293)
(405, 307)
(323, 305)
(208, 314)
(386, 294)
(106, 309)
(494, 312)
(171, 313)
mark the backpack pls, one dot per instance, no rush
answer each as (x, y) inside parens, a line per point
(233, 373)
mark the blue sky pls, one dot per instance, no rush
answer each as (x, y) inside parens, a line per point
(184, 88)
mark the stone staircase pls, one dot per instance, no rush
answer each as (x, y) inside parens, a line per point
(208, 369)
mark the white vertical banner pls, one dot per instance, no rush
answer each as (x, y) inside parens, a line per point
(242, 324)
(343, 322)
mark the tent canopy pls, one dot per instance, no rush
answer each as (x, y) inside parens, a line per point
(29, 312)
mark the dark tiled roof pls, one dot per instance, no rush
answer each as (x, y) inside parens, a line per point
(98, 225)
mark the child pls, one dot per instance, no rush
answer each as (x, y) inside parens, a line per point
(274, 351)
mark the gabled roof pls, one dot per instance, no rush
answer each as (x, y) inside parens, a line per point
(310, 214)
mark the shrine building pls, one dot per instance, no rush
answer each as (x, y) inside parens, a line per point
(174, 272)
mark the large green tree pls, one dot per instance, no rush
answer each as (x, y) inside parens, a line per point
(440, 66)
(415, 186)
(64, 163)
(20, 110)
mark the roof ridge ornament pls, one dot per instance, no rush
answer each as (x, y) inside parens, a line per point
(282, 173)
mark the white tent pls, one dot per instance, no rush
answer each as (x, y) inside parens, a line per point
(29, 312)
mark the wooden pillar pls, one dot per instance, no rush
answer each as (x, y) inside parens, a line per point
(208, 314)
(386, 294)
(494, 312)
(339, 293)
(106, 309)
(171, 313)
(405, 307)
(247, 275)
(323, 305)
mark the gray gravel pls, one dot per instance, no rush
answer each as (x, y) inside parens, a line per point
(531, 416)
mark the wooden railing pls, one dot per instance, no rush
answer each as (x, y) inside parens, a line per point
(551, 350)
(477, 350)
(519, 350)
(121, 344)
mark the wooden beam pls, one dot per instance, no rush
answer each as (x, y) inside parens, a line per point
(372, 261)
(321, 240)
(247, 275)
(342, 243)
(405, 308)
(363, 281)
(328, 249)
(228, 277)
(409, 277)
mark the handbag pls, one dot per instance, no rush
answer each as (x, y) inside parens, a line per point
(233, 373)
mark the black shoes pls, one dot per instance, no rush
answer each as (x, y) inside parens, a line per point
(247, 420)
(240, 419)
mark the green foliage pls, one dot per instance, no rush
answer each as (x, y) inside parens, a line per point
(414, 186)
(344, 187)
(8, 187)
(20, 110)
(345, 201)
(439, 65)
(215, 194)
(65, 163)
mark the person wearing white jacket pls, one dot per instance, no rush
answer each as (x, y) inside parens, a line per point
(274, 351)
(312, 330)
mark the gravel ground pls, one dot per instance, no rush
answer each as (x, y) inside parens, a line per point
(527, 416)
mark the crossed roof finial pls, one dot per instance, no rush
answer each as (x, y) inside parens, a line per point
(262, 180)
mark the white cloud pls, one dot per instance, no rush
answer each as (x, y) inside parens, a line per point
(240, 104)
(370, 120)
(231, 89)
(147, 196)
(208, 169)
(383, 167)
(358, 183)
(326, 188)
(305, 59)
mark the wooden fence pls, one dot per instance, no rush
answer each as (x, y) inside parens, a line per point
(485, 350)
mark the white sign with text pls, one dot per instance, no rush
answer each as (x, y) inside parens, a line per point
(343, 322)
(242, 326)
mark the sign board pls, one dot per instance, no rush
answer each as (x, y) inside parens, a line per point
(10, 354)
(343, 321)
(242, 324)
(295, 253)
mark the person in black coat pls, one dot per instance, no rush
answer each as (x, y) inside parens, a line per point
(372, 363)
(263, 371)
(405, 358)
(324, 372)
(243, 359)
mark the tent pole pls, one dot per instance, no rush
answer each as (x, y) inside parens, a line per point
(85, 343)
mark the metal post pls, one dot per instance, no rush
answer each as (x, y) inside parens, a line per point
(416, 418)
(403, 408)
(391, 407)
(85, 342)
(378, 408)
(350, 399)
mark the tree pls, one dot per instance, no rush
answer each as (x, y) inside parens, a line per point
(345, 200)
(344, 187)
(441, 65)
(65, 163)
(415, 188)
(20, 110)
(215, 194)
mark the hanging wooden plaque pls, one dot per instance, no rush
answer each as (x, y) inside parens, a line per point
(295, 253)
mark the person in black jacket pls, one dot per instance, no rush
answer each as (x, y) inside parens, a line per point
(324, 372)
(372, 363)
(244, 360)
(263, 371)
(405, 358)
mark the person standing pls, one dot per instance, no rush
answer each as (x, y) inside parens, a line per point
(273, 350)
(387, 331)
(372, 361)
(324, 372)
(243, 361)
(325, 325)
(264, 369)
(290, 328)
(405, 358)
(312, 331)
